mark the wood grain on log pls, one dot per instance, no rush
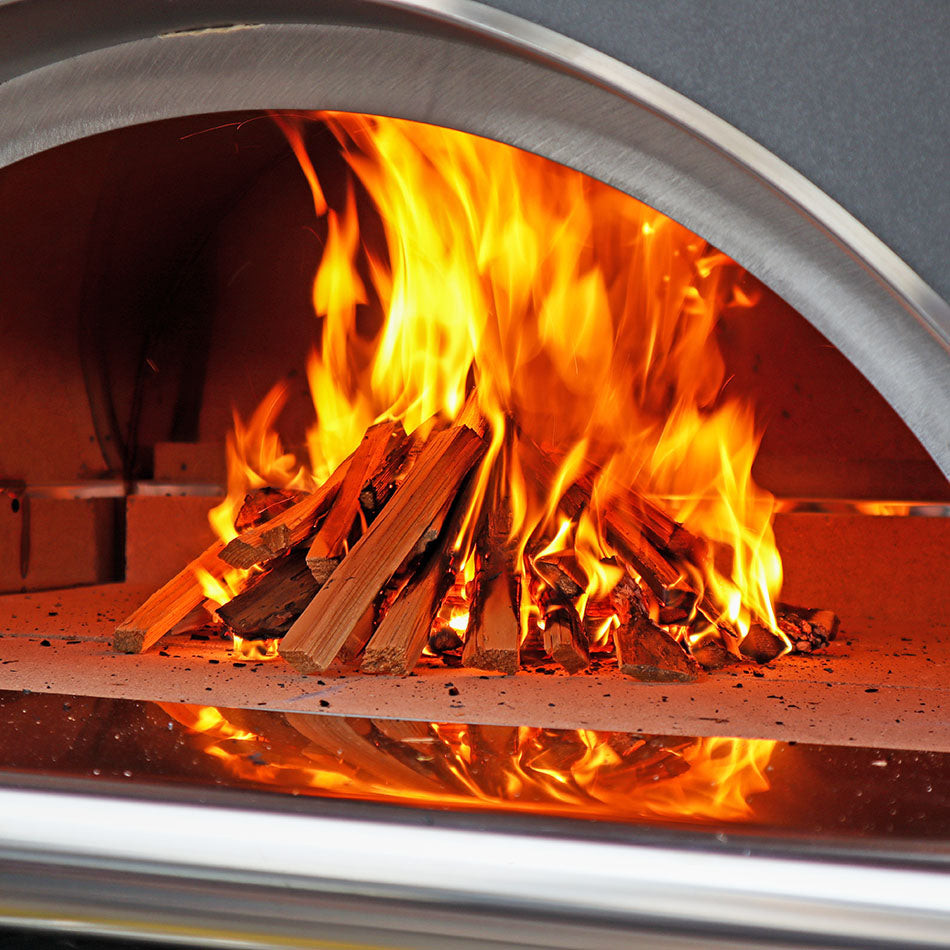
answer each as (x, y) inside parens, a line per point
(564, 636)
(271, 602)
(403, 632)
(168, 605)
(288, 529)
(263, 504)
(383, 441)
(493, 640)
(316, 637)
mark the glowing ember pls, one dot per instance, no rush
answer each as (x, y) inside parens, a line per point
(254, 649)
(585, 324)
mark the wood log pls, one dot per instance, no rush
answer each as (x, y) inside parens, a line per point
(553, 574)
(383, 441)
(271, 603)
(168, 605)
(288, 529)
(564, 636)
(646, 653)
(357, 638)
(444, 640)
(315, 639)
(761, 644)
(712, 655)
(322, 568)
(263, 504)
(401, 636)
(493, 640)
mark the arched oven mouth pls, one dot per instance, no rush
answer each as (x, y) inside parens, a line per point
(169, 249)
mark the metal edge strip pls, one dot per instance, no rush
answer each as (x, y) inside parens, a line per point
(573, 879)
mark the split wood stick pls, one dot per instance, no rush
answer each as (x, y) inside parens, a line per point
(315, 639)
(402, 634)
(358, 637)
(288, 529)
(273, 601)
(168, 605)
(471, 415)
(564, 637)
(379, 442)
(339, 738)
(646, 653)
(493, 641)
(564, 641)
(263, 504)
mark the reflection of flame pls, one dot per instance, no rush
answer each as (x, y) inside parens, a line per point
(581, 773)
(586, 322)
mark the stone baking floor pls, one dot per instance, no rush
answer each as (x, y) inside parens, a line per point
(883, 683)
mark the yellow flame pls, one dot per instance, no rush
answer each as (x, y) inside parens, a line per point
(255, 649)
(585, 321)
(585, 773)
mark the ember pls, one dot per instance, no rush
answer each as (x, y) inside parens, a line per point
(531, 449)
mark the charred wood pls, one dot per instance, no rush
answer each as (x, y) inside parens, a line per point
(273, 601)
(646, 653)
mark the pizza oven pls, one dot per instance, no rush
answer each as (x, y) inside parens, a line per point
(177, 183)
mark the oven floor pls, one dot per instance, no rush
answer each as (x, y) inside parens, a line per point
(883, 685)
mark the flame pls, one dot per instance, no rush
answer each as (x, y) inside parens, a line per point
(585, 322)
(581, 773)
(255, 649)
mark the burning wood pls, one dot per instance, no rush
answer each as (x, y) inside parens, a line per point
(569, 378)
(316, 637)
(168, 605)
(370, 566)
(494, 635)
(370, 477)
(272, 602)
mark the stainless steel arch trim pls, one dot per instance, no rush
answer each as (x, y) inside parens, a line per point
(530, 87)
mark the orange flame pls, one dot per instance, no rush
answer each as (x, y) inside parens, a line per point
(580, 773)
(585, 320)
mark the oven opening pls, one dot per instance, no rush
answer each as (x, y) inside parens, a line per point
(348, 414)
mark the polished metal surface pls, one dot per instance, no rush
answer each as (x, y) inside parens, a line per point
(262, 878)
(522, 84)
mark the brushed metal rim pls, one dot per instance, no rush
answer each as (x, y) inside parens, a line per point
(231, 859)
(526, 85)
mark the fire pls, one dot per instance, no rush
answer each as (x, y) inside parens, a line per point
(584, 321)
(581, 773)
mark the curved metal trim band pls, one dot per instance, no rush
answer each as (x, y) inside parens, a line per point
(473, 68)
(242, 868)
